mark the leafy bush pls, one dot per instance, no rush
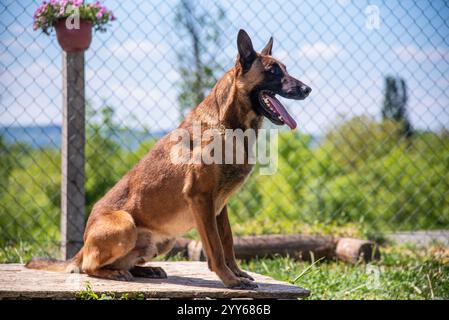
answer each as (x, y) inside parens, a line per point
(30, 184)
(363, 178)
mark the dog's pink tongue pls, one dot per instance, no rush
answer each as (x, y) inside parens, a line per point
(283, 112)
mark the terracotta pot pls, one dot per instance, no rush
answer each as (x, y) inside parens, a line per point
(74, 40)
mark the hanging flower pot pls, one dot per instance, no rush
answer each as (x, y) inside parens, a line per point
(74, 39)
(73, 21)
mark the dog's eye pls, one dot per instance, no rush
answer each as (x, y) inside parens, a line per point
(275, 70)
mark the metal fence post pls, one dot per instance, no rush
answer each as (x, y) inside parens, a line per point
(72, 149)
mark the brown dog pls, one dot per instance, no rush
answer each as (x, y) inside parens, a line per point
(158, 200)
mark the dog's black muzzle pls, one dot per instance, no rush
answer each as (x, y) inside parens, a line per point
(294, 89)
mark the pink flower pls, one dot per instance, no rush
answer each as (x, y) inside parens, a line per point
(62, 4)
(41, 8)
(43, 18)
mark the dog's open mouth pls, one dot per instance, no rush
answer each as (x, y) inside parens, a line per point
(274, 110)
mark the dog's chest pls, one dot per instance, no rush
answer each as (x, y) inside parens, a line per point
(232, 178)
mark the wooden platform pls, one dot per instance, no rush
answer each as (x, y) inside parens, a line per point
(185, 280)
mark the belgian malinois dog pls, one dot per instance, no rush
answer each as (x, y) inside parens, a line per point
(158, 200)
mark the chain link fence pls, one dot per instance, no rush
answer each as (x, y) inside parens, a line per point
(371, 152)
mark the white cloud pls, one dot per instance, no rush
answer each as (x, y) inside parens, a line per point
(282, 55)
(153, 107)
(320, 50)
(139, 50)
(17, 28)
(172, 75)
(412, 52)
(32, 94)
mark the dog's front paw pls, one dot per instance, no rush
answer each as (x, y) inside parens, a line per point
(242, 283)
(238, 272)
(121, 275)
(242, 274)
(148, 272)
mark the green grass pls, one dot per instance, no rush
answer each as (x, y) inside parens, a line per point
(23, 251)
(402, 273)
(89, 294)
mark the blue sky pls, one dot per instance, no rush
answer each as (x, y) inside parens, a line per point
(133, 66)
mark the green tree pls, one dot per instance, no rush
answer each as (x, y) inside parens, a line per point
(107, 158)
(7, 164)
(104, 163)
(200, 32)
(395, 103)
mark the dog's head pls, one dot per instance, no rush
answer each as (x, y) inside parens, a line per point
(262, 76)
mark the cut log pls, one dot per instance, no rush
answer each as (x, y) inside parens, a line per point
(301, 247)
(355, 250)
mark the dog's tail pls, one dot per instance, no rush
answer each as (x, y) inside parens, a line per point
(49, 264)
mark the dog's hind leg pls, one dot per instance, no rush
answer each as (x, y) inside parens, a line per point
(147, 248)
(110, 239)
(148, 272)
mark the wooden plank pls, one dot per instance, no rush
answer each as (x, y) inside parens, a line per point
(72, 154)
(185, 280)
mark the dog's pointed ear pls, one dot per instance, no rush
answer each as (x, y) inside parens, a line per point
(267, 50)
(247, 54)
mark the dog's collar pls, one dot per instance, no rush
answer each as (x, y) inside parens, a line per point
(220, 127)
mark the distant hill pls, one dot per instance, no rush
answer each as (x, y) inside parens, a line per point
(35, 136)
(50, 136)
